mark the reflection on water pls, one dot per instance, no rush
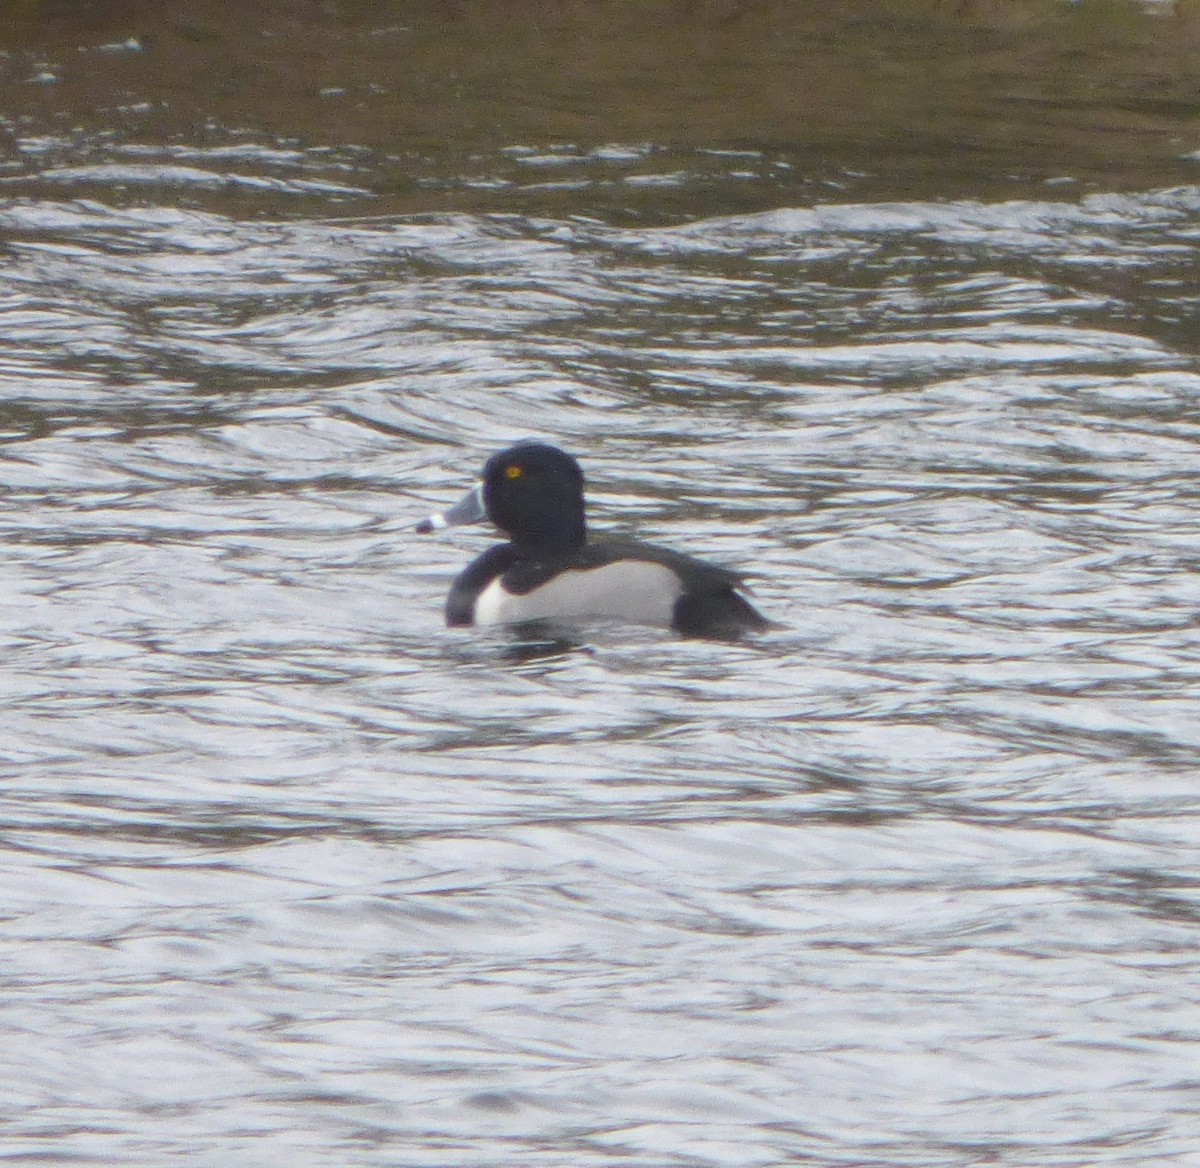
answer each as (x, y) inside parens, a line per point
(619, 110)
(294, 874)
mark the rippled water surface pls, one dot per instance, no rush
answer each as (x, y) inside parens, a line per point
(293, 874)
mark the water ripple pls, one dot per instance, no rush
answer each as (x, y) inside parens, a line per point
(286, 857)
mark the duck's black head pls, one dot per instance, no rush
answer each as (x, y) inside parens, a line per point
(534, 494)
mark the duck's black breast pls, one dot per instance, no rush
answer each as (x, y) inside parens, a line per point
(474, 578)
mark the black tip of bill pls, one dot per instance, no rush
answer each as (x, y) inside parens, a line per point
(469, 509)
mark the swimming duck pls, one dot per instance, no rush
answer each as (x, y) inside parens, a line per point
(550, 571)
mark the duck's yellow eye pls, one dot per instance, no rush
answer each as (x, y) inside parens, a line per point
(513, 472)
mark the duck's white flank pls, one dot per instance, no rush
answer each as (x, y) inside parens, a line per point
(632, 590)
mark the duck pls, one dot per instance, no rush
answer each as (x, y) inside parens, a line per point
(550, 571)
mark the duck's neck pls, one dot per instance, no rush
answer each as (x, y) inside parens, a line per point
(553, 535)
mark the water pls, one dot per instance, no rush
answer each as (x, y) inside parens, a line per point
(293, 874)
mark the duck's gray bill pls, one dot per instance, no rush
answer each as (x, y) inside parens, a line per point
(469, 509)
